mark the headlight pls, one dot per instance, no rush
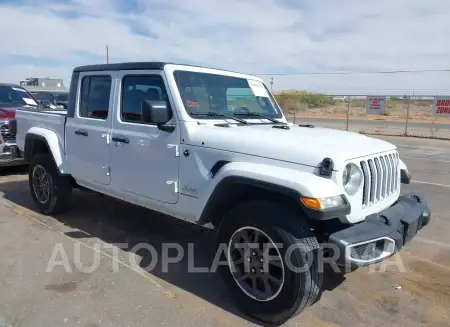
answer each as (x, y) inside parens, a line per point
(352, 178)
(323, 203)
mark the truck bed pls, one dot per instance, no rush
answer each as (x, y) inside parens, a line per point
(27, 119)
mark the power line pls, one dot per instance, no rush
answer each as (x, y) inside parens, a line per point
(357, 73)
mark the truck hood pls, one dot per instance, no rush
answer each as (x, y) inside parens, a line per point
(300, 145)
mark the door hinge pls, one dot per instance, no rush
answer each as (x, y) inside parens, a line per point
(177, 149)
(106, 135)
(175, 185)
(108, 170)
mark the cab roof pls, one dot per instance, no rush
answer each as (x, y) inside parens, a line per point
(157, 65)
(152, 65)
(148, 65)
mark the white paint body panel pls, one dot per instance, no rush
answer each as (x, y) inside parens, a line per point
(45, 124)
(148, 172)
(146, 169)
(299, 145)
(88, 155)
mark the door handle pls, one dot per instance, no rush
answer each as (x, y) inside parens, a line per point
(120, 139)
(81, 132)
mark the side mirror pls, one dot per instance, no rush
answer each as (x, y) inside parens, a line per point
(157, 112)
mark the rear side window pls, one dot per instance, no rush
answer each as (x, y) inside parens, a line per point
(95, 91)
(137, 88)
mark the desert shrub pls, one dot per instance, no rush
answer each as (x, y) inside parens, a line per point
(300, 100)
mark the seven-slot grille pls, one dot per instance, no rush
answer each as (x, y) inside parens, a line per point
(380, 178)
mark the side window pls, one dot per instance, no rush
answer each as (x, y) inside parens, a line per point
(137, 88)
(95, 91)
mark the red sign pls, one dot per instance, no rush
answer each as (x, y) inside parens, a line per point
(375, 105)
(441, 107)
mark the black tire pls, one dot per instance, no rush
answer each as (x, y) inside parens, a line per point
(285, 226)
(59, 187)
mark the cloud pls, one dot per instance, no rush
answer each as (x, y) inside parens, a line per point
(49, 38)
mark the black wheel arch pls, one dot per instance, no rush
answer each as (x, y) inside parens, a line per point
(233, 189)
(35, 144)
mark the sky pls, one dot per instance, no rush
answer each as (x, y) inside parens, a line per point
(49, 38)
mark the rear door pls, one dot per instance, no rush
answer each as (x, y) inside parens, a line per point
(88, 132)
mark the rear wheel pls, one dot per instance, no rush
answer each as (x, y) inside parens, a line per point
(51, 192)
(273, 269)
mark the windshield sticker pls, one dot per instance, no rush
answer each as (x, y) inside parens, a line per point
(258, 88)
(18, 89)
(192, 104)
(30, 101)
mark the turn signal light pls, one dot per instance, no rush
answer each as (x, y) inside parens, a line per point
(312, 203)
(335, 201)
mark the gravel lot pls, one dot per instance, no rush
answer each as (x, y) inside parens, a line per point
(120, 293)
(429, 129)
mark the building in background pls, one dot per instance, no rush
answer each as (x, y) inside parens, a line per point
(43, 84)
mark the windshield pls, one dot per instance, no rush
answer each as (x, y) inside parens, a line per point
(203, 93)
(10, 95)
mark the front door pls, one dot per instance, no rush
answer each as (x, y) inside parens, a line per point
(88, 132)
(144, 159)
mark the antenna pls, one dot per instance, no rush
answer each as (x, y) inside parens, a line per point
(107, 54)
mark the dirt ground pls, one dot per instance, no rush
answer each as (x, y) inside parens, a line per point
(395, 111)
(412, 289)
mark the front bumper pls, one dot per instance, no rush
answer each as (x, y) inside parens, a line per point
(10, 155)
(381, 235)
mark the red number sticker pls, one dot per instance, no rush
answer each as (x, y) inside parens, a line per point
(192, 104)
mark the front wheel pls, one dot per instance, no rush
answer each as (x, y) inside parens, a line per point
(51, 192)
(273, 266)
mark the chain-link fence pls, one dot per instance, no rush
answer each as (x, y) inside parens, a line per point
(403, 115)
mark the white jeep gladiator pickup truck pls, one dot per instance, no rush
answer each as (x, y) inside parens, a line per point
(213, 148)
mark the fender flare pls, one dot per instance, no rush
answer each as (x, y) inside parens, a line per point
(54, 145)
(402, 165)
(405, 175)
(284, 181)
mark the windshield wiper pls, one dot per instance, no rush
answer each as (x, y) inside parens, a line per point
(255, 114)
(216, 114)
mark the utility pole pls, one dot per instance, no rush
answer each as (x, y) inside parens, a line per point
(271, 84)
(107, 54)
